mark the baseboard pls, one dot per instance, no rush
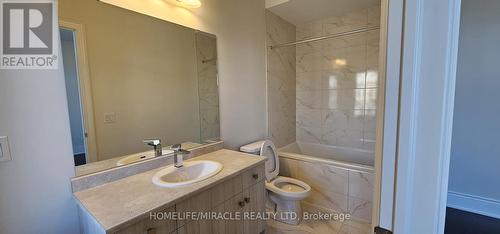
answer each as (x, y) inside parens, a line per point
(475, 204)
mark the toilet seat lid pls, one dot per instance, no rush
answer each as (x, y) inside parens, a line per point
(269, 151)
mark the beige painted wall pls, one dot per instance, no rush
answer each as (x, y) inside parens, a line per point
(35, 190)
(142, 69)
(241, 34)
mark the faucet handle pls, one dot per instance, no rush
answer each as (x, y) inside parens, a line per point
(152, 142)
(176, 147)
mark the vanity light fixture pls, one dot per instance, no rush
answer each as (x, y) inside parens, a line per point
(190, 3)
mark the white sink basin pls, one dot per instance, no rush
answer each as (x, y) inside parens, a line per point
(191, 172)
(139, 157)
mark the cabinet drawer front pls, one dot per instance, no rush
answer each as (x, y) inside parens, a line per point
(152, 226)
(253, 175)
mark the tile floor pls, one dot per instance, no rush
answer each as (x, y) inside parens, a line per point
(319, 226)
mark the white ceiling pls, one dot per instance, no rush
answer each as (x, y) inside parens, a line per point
(300, 11)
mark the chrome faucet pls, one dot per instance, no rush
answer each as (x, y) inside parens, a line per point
(178, 155)
(156, 143)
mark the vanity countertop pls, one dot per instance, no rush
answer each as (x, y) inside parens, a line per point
(115, 204)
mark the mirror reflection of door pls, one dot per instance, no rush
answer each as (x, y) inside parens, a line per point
(72, 82)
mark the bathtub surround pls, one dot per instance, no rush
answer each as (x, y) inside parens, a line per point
(335, 94)
(280, 81)
(337, 81)
(338, 186)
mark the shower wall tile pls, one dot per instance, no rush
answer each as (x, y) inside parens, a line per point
(309, 81)
(309, 48)
(310, 62)
(309, 117)
(208, 90)
(343, 119)
(342, 79)
(309, 134)
(309, 30)
(281, 76)
(338, 77)
(345, 41)
(344, 99)
(346, 22)
(309, 100)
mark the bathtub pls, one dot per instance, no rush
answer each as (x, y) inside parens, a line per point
(341, 178)
(354, 159)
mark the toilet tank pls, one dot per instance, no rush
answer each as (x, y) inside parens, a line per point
(253, 148)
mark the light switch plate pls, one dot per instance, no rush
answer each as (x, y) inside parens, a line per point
(109, 118)
(4, 149)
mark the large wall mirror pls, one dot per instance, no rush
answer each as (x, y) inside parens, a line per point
(130, 78)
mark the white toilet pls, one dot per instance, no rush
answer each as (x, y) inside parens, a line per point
(284, 193)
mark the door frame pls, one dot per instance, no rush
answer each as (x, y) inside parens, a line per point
(391, 31)
(427, 72)
(412, 156)
(85, 87)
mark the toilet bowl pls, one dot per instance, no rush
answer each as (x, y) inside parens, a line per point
(284, 193)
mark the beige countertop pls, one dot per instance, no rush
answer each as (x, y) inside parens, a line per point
(117, 203)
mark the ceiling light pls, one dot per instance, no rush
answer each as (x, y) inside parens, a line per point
(190, 3)
(340, 62)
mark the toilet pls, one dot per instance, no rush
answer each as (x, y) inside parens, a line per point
(284, 193)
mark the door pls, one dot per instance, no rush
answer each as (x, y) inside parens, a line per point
(79, 92)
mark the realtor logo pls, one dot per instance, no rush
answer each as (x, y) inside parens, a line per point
(28, 40)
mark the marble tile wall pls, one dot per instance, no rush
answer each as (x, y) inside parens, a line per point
(280, 81)
(208, 90)
(333, 188)
(337, 81)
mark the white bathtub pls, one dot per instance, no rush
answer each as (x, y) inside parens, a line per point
(348, 158)
(341, 178)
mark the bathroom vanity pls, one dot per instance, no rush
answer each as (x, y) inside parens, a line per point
(135, 205)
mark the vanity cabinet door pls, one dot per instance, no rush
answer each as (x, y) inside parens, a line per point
(195, 227)
(235, 205)
(224, 226)
(151, 226)
(226, 190)
(253, 176)
(243, 194)
(255, 204)
(197, 203)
